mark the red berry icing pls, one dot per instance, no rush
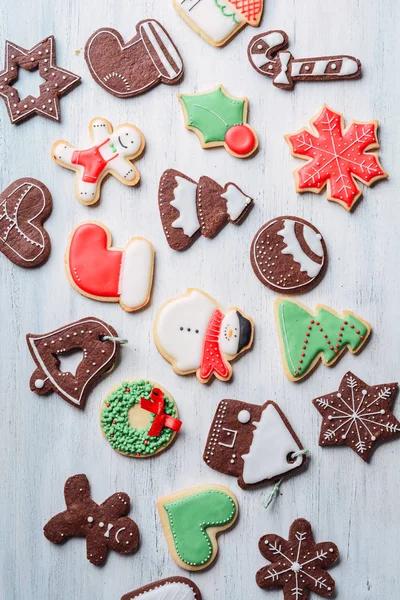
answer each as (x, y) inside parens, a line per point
(240, 139)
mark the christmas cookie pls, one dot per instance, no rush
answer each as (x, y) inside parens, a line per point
(101, 272)
(139, 418)
(337, 158)
(111, 153)
(269, 56)
(171, 588)
(100, 345)
(298, 564)
(357, 415)
(307, 337)
(219, 119)
(217, 21)
(24, 207)
(192, 519)
(57, 81)
(126, 69)
(105, 526)
(251, 442)
(189, 209)
(288, 254)
(194, 335)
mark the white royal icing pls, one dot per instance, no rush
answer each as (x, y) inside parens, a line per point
(174, 590)
(185, 201)
(271, 444)
(136, 273)
(244, 416)
(272, 39)
(293, 247)
(170, 69)
(192, 312)
(349, 67)
(236, 201)
(210, 18)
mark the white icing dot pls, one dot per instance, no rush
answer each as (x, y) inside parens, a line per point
(39, 383)
(244, 416)
(90, 519)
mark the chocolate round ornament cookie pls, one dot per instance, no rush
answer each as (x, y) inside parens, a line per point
(289, 255)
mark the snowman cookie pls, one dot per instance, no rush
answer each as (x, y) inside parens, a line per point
(111, 153)
(195, 335)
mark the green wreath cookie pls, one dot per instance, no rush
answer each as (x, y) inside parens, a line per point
(139, 418)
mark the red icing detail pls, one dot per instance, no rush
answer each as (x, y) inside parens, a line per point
(212, 360)
(156, 406)
(128, 389)
(94, 268)
(107, 404)
(240, 139)
(250, 9)
(357, 331)
(92, 162)
(336, 156)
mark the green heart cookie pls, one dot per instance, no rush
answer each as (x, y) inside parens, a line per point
(189, 519)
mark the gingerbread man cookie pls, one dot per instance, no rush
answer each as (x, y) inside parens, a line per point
(111, 153)
(105, 526)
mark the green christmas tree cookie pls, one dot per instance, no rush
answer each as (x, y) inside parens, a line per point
(307, 337)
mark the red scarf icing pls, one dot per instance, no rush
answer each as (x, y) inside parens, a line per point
(212, 360)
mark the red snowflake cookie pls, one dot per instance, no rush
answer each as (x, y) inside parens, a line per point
(336, 157)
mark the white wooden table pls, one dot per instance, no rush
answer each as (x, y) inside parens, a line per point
(44, 440)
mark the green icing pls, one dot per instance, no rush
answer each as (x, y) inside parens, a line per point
(223, 8)
(121, 435)
(305, 335)
(213, 113)
(189, 518)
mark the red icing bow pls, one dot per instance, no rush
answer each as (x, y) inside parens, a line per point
(212, 360)
(156, 406)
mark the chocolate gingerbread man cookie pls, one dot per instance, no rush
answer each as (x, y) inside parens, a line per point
(105, 526)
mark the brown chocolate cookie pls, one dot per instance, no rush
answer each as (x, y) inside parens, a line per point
(132, 68)
(171, 588)
(24, 206)
(289, 255)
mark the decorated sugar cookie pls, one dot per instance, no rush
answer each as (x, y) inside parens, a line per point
(111, 153)
(127, 69)
(24, 206)
(171, 588)
(105, 526)
(100, 345)
(217, 21)
(289, 255)
(101, 272)
(139, 418)
(219, 119)
(189, 209)
(56, 81)
(337, 158)
(269, 56)
(298, 564)
(254, 443)
(192, 519)
(307, 337)
(195, 335)
(357, 415)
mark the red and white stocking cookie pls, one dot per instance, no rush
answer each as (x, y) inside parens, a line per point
(105, 526)
(101, 272)
(24, 206)
(100, 346)
(189, 209)
(195, 335)
(111, 153)
(254, 443)
(126, 69)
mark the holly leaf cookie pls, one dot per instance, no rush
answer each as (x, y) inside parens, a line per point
(101, 272)
(171, 588)
(195, 335)
(298, 564)
(192, 519)
(357, 415)
(219, 119)
(24, 206)
(337, 158)
(307, 337)
(105, 526)
(126, 69)
(254, 443)
(57, 81)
